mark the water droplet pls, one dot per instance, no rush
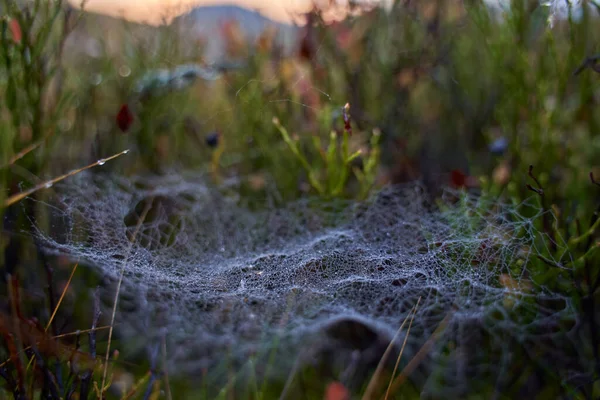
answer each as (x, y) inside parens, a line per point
(101, 162)
(124, 71)
(96, 79)
(125, 151)
(48, 185)
(64, 124)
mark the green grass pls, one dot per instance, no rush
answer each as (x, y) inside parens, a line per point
(429, 85)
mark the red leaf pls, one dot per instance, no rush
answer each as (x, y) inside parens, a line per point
(15, 30)
(336, 391)
(124, 118)
(458, 178)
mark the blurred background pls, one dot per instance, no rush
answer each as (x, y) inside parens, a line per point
(467, 94)
(154, 12)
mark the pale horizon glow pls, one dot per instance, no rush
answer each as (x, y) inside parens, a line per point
(156, 11)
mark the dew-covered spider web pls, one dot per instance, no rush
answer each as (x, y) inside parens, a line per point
(324, 284)
(315, 284)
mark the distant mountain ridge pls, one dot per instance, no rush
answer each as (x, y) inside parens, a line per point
(204, 23)
(254, 22)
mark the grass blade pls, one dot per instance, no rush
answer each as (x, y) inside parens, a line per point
(47, 184)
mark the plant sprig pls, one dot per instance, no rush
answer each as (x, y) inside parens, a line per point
(330, 177)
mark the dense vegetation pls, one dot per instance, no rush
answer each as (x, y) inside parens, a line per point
(450, 93)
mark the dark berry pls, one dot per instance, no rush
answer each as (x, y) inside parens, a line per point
(212, 139)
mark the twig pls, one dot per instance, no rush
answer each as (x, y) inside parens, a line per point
(387, 392)
(2, 365)
(24, 152)
(18, 360)
(99, 328)
(50, 282)
(32, 360)
(290, 378)
(116, 300)
(164, 363)
(546, 222)
(540, 190)
(85, 386)
(589, 62)
(49, 381)
(410, 367)
(135, 387)
(379, 369)
(551, 263)
(62, 296)
(45, 185)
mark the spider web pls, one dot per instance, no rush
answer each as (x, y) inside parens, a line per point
(320, 283)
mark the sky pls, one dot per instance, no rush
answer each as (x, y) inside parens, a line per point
(152, 11)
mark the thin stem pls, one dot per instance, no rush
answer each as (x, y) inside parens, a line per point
(116, 300)
(47, 184)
